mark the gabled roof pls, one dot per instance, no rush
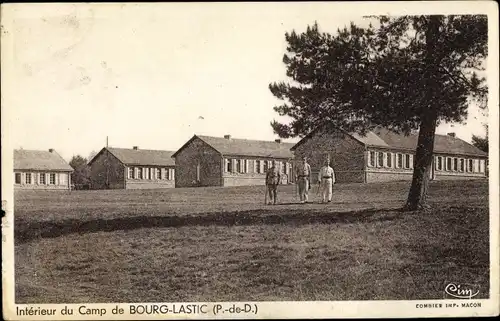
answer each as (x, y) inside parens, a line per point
(382, 137)
(140, 156)
(39, 160)
(245, 147)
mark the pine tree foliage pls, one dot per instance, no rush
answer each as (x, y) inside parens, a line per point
(359, 77)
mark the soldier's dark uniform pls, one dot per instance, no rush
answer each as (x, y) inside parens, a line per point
(273, 179)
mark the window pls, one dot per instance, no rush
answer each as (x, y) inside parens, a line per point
(471, 165)
(462, 165)
(380, 159)
(407, 161)
(265, 166)
(371, 159)
(18, 178)
(229, 165)
(439, 163)
(139, 173)
(389, 160)
(455, 164)
(42, 178)
(131, 172)
(399, 163)
(241, 166)
(28, 178)
(172, 174)
(52, 179)
(448, 163)
(481, 166)
(257, 166)
(158, 173)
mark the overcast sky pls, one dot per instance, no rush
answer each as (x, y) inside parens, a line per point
(146, 75)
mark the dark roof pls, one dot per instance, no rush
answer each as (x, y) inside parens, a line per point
(245, 147)
(140, 156)
(442, 143)
(382, 137)
(39, 160)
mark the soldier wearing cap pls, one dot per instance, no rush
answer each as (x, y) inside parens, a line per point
(304, 179)
(273, 179)
(326, 179)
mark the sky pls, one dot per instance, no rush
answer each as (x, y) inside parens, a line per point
(153, 76)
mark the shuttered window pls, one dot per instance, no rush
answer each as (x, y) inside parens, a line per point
(439, 163)
(28, 178)
(407, 161)
(380, 159)
(389, 159)
(17, 178)
(63, 179)
(371, 159)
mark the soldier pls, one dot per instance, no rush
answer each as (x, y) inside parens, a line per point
(304, 180)
(273, 179)
(326, 180)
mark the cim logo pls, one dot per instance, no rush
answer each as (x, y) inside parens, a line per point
(461, 291)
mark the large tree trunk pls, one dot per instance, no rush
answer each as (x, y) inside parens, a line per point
(422, 164)
(417, 197)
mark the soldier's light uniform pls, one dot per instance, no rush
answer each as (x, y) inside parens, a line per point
(304, 180)
(326, 180)
(273, 179)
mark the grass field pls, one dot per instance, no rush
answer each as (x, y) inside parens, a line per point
(218, 244)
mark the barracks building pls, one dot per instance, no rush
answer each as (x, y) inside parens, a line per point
(382, 155)
(38, 169)
(227, 161)
(121, 168)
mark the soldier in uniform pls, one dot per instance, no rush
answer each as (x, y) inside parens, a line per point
(273, 179)
(304, 180)
(326, 180)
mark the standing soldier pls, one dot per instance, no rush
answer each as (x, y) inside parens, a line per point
(273, 179)
(326, 180)
(304, 180)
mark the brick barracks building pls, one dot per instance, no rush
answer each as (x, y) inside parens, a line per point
(382, 155)
(226, 161)
(120, 168)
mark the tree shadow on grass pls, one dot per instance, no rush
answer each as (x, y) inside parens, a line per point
(27, 231)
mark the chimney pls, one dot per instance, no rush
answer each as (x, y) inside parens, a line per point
(227, 136)
(451, 134)
(136, 147)
(51, 150)
(278, 141)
